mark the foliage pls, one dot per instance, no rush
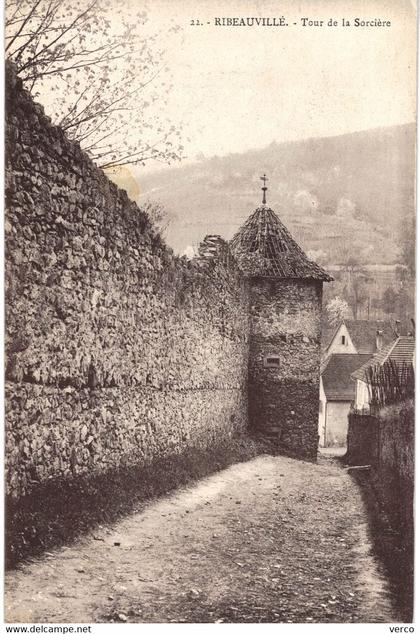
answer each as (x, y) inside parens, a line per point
(100, 75)
(337, 310)
(390, 383)
(389, 300)
(402, 273)
(158, 215)
(356, 286)
(408, 243)
(405, 302)
(329, 210)
(252, 263)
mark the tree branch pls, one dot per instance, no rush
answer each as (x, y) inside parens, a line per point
(26, 20)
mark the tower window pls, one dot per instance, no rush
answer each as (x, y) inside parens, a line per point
(343, 340)
(272, 361)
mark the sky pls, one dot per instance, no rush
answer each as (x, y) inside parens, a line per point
(237, 88)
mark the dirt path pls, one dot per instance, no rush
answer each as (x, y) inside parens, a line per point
(270, 540)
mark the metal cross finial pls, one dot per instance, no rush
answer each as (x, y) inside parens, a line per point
(264, 188)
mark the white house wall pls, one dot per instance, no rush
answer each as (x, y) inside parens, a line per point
(362, 395)
(337, 423)
(337, 346)
(321, 416)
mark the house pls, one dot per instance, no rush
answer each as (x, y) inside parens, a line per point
(359, 336)
(336, 396)
(352, 344)
(401, 350)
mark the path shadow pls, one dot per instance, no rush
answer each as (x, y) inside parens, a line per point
(392, 544)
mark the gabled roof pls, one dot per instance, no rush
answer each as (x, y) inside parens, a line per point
(401, 351)
(264, 247)
(363, 333)
(336, 377)
(327, 334)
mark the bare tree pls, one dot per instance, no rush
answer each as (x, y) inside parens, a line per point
(101, 76)
(356, 286)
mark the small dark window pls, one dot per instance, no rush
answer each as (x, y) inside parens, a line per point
(343, 340)
(272, 361)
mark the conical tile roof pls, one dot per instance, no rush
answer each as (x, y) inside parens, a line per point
(264, 247)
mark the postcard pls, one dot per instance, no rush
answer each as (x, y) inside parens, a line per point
(210, 312)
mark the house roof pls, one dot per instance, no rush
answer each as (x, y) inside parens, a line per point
(327, 334)
(336, 377)
(363, 333)
(401, 351)
(264, 247)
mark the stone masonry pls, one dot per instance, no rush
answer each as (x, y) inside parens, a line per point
(118, 352)
(285, 337)
(283, 399)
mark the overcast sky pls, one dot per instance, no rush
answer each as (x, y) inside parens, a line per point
(242, 87)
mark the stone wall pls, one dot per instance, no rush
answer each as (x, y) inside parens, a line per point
(283, 400)
(395, 467)
(386, 442)
(362, 440)
(118, 352)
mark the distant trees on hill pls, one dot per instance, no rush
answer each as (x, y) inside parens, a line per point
(408, 242)
(389, 300)
(356, 285)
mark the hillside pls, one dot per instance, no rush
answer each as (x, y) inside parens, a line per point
(337, 195)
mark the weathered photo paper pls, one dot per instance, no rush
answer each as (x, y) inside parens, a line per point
(210, 324)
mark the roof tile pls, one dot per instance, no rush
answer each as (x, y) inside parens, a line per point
(336, 377)
(400, 350)
(264, 247)
(363, 333)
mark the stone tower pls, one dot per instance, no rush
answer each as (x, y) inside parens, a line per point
(285, 340)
